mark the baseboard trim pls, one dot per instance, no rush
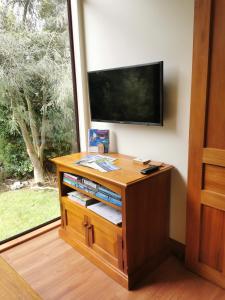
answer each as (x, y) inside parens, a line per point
(177, 249)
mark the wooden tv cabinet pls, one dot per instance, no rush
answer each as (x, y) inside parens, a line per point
(128, 252)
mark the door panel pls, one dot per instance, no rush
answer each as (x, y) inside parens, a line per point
(205, 241)
(75, 221)
(105, 239)
(214, 179)
(212, 237)
(215, 131)
(212, 199)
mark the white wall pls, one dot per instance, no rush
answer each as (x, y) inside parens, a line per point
(129, 32)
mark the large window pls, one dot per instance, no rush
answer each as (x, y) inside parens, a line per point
(37, 110)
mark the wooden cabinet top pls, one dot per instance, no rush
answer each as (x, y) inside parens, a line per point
(129, 172)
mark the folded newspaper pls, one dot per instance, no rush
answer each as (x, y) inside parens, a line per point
(101, 163)
(107, 212)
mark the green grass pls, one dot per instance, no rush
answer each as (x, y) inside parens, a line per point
(24, 209)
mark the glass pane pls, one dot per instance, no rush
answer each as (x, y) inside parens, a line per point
(37, 117)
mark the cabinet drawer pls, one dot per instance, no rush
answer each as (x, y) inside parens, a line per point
(103, 237)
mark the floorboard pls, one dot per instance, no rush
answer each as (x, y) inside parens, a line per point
(57, 271)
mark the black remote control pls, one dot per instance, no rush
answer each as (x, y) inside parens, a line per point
(149, 170)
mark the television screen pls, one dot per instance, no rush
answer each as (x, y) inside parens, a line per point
(127, 95)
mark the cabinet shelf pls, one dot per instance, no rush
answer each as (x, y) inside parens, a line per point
(92, 196)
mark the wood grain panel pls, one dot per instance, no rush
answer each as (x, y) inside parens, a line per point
(215, 134)
(211, 274)
(153, 233)
(212, 237)
(120, 252)
(105, 239)
(74, 221)
(205, 209)
(214, 156)
(13, 286)
(64, 274)
(202, 31)
(213, 199)
(223, 267)
(214, 179)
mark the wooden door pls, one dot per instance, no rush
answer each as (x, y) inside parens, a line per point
(205, 243)
(105, 239)
(75, 221)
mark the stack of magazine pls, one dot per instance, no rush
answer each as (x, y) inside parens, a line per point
(109, 196)
(93, 188)
(98, 162)
(71, 179)
(81, 198)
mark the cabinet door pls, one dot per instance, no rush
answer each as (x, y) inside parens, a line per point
(75, 222)
(105, 239)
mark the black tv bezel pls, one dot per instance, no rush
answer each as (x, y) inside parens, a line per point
(161, 64)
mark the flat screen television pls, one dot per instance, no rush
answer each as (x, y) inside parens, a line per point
(127, 95)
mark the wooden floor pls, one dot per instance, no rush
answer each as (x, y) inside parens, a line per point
(56, 271)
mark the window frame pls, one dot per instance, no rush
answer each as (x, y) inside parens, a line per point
(56, 222)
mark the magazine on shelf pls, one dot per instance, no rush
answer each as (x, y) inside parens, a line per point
(90, 183)
(81, 198)
(67, 180)
(109, 192)
(70, 176)
(96, 137)
(109, 213)
(115, 201)
(108, 198)
(71, 179)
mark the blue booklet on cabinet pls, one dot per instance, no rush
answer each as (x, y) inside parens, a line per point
(96, 137)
